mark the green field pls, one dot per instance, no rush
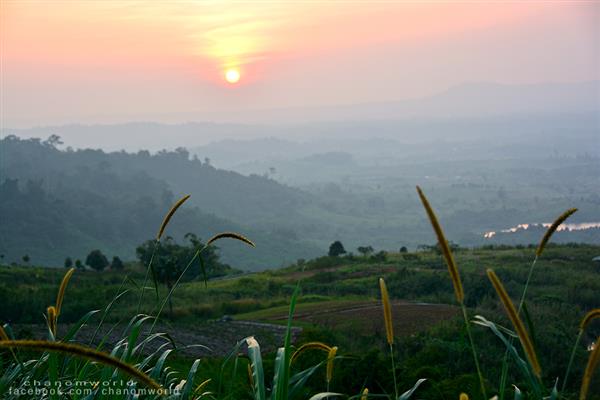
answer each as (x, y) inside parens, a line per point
(339, 305)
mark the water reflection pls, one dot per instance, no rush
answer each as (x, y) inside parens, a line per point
(581, 226)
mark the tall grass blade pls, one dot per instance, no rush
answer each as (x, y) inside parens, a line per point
(518, 394)
(298, 381)
(279, 375)
(550, 231)
(530, 325)
(516, 322)
(256, 365)
(408, 394)
(325, 395)
(523, 366)
(281, 392)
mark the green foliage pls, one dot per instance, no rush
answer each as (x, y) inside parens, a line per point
(96, 260)
(171, 258)
(441, 354)
(365, 250)
(117, 264)
(336, 249)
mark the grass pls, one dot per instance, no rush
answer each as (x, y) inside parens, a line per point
(332, 288)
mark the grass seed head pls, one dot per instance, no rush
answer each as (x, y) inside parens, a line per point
(562, 218)
(62, 289)
(592, 364)
(310, 346)
(387, 312)
(448, 257)
(365, 394)
(595, 313)
(51, 314)
(230, 235)
(3, 335)
(516, 322)
(330, 359)
(170, 215)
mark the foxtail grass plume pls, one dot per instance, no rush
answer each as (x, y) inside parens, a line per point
(516, 322)
(589, 370)
(452, 267)
(170, 215)
(3, 335)
(230, 235)
(310, 346)
(595, 313)
(62, 289)
(562, 218)
(365, 394)
(387, 312)
(84, 352)
(51, 314)
(330, 359)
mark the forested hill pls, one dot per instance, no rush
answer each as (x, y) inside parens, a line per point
(64, 203)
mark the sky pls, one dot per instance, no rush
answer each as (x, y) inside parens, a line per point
(115, 61)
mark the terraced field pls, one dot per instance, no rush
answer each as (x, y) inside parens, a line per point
(364, 317)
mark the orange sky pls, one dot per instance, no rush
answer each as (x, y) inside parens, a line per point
(102, 61)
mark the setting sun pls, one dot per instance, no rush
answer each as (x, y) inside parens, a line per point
(232, 75)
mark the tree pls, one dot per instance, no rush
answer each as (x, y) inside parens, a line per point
(336, 249)
(116, 264)
(52, 141)
(170, 260)
(25, 259)
(78, 264)
(365, 250)
(403, 249)
(96, 260)
(68, 262)
(380, 256)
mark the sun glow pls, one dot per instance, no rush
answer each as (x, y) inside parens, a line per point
(232, 75)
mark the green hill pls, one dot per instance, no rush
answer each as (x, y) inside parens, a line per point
(65, 203)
